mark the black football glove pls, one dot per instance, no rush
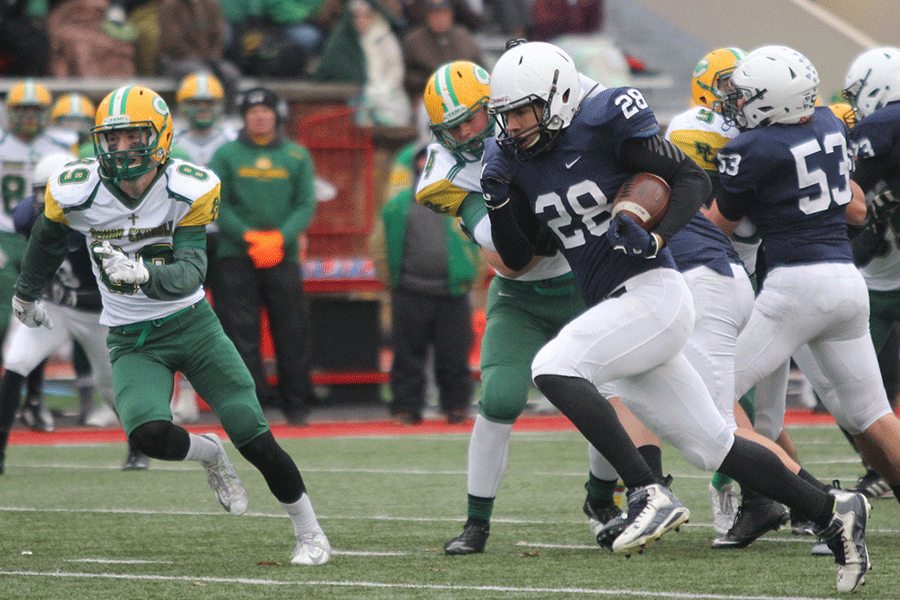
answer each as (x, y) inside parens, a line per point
(497, 172)
(883, 205)
(628, 237)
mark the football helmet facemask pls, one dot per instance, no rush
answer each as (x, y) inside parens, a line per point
(543, 76)
(73, 112)
(455, 93)
(708, 83)
(776, 84)
(873, 80)
(130, 109)
(201, 99)
(28, 108)
(844, 112)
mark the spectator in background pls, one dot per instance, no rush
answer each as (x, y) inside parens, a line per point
(440, 40)
(429, 266)
(342, 58)
(552, 18)
(268, 200)
(81, 47)
(194, 41)
(24, 42)
(273, 37)
(136, 22)
(383, 101)
(467, 13)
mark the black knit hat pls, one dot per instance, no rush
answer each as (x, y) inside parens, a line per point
(260, 95)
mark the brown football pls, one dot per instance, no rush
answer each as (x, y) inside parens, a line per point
(644, 197)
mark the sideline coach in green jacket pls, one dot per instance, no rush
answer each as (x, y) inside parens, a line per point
(268, 200)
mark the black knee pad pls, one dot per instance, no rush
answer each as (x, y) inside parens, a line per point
(161, 440)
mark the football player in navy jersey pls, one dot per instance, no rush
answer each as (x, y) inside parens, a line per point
(555, 168)
(872, 86)
(789, 171)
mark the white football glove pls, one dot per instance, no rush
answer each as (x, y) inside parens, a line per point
(119, 268)
(32, 314)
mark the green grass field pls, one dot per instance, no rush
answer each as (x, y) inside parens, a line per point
(73, 526)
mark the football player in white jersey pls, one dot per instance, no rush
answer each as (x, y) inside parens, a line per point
(23, 143)
(525, 307)
(71, 119)
(144, 218)
(201, 101)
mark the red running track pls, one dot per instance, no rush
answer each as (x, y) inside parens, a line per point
(345, 429)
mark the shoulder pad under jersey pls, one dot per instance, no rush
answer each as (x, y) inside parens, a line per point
(188, 180)
(446, 181)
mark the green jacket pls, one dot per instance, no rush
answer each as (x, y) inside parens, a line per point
(462, 255)
(264, 188)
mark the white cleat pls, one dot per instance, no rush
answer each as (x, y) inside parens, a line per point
(652, 511)
(845, 536)
(223, 480)
(312, 549)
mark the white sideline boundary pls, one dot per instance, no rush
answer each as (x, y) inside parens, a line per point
(407, 586)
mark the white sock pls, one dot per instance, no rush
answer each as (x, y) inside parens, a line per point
(488, 453)
(303, 516)
(600, 467)
(202, 450)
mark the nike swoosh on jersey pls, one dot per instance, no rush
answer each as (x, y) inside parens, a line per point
(569, 165)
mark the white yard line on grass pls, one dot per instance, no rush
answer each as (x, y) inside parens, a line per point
(544, 591)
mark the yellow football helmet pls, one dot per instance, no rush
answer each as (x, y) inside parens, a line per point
(132, 108)
(74, 112)
(28, 108)
(710, 75)
(201, 98)
(454, 93)
(844, 112)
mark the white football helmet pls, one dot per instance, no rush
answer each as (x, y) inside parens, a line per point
(536, 72)
(873, 80)
(47, 166)
(772, 84)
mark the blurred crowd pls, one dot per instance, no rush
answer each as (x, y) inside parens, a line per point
(387, 47)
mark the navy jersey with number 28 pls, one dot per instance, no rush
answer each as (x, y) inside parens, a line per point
(571, 188)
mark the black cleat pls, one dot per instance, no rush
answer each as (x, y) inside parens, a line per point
(470, 541)
(37, 416)
(755, 516)
(599, 513)
(872, 485)
(136, 461)
(2, 459)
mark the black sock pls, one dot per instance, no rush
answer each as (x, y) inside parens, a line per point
(808, 478)
(755, 466)
(653, 456)
(277, 467)
(593, 415)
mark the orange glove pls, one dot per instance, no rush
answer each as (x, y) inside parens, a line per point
(266, 248)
